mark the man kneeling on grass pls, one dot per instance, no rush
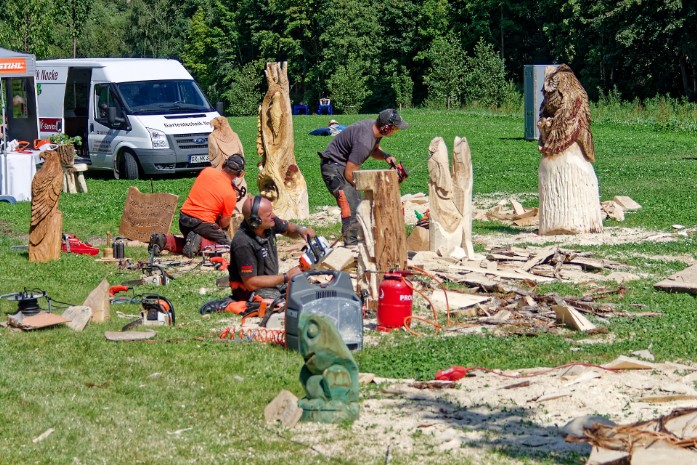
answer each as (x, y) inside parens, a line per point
(253, 266)
(205, 216)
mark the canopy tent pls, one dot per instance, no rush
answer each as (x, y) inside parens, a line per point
(18, 96)
(19, 121)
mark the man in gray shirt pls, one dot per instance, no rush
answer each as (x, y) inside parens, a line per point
(346, 153)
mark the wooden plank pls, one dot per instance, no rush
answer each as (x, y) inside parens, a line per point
(682, 281)
(517, 207)
(539, 257)
(571, 317)
(626, 202)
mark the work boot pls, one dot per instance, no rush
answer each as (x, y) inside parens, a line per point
(157, 244)
(215, 306)
(192, 247)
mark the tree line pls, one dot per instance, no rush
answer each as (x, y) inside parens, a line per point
(371, 54)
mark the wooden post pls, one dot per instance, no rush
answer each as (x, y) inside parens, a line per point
(280, 179)
(382, 221)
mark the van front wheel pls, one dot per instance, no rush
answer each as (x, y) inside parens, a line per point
(128, 166)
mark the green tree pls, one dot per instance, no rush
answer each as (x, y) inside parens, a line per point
(445, 77)
(104, 32)
(485, 76)
(348, 86)
(74, 14)
(156, 28)
(243, 94)
(28, 26)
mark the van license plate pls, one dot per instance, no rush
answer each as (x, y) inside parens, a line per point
(198, 159)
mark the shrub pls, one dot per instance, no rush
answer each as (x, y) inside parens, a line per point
(485, 77)
(348, 86)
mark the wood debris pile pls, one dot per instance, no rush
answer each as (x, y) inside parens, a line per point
(503, 278)
(511, 211)
(669, 438)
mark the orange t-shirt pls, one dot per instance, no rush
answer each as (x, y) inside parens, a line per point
(211, 196)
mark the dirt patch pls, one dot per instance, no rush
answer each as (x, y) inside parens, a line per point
(480, 414)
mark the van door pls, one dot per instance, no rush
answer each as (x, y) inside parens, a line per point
(105, 134)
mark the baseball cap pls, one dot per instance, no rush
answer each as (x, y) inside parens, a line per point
(390, 116)
(234, 163)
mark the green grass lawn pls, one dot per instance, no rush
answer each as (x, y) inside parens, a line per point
(187, 398)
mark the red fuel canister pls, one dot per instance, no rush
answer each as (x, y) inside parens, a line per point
(394, 301)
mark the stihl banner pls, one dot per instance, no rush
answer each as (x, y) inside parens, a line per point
(13, 65)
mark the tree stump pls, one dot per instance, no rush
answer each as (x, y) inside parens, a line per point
(280, 179)
(450, 198)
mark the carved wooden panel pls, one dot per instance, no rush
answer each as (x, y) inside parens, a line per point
(146, 214)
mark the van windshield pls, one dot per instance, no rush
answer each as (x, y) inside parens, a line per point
(163, 97)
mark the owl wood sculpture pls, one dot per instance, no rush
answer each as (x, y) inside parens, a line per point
(564, 114)
(222, 142)
(45, 232)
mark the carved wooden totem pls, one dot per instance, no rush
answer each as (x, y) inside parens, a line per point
(280, 179)
(568, 186)
(46, 230)
(222, 143)
(450, 198)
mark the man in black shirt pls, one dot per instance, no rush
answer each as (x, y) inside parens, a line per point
(346, 153)
(254, 256)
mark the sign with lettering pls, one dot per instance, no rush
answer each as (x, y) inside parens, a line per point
(13, 66)
(146, 214)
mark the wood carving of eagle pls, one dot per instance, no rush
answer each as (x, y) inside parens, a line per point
(222, 142)
(46, 189)
(565, 116)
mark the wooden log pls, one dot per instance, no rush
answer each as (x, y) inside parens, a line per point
(387, 218)
(280, 179)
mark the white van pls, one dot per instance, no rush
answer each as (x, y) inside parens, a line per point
(135, 115)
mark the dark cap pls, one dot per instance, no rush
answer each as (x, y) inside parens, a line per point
(391, 117)
(234, 164)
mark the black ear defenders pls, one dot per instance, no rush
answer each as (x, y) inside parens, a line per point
(254, 220)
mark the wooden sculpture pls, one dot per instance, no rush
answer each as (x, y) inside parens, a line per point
(280, 179)
(46, 230)
(568, 186)
(222, 143)
(384, 244)
(450, 199)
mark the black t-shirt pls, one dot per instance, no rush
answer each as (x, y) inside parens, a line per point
(251, 255)
(354, 144)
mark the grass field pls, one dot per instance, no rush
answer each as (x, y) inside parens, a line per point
(186, 398)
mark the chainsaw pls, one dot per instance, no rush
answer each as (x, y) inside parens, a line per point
(315, 252)
(151, 275)
(214, 256)
(156, 310)
(402, 172)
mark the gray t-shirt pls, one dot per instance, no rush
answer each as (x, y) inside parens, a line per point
(354, 144)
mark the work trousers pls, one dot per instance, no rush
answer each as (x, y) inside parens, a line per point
(210, 231)
(333, 176)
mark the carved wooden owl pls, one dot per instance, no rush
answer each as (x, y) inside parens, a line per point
(564, 114)
(222, 142)
(46, 189)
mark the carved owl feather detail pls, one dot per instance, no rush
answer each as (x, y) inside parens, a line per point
(564, 114)
(46, 189)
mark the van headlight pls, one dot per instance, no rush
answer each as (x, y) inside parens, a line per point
(158, 138)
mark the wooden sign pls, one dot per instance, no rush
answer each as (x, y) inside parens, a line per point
(146, 214)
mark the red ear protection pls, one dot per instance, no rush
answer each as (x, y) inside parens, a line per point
(385, 130)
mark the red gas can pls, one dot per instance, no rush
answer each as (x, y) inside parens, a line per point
(394, 301)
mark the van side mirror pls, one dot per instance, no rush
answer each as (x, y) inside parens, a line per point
(220, 108)
(112, 115)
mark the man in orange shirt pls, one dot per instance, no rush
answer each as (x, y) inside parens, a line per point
(207, 210)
